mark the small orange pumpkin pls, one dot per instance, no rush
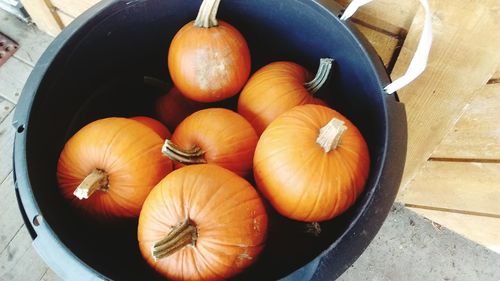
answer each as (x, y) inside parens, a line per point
(311, 163)
(155, 125)
(173, 107)
(202, 222)
(276, 88)
(109, 166)
(209, 60)
(213, 135)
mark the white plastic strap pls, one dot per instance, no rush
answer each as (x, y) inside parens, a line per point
(419, 61)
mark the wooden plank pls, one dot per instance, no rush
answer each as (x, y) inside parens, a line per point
(460, 186)
(50, 276)
(13, 75)
(5, 108)
(65, 18)
(73, 8)
(436, 99)
(482, 230)
(10, 217)
(42, 13)
(477, 133)
(6, 146)
(32, 42)
(20, 261)
(391, 15)
(384, 43)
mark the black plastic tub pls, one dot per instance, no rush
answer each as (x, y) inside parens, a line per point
(96, 68)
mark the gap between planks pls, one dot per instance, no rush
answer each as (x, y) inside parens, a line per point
(463, 160)
(472, 213)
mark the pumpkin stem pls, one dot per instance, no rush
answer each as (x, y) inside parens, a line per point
(181, 235)
(313, 228)
(190, 156)
(96, 180)
(325, 65)
(207, 14)
(330, 134)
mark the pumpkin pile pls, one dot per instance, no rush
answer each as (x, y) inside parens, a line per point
(187, 176)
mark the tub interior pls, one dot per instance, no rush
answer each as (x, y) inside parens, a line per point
(100, 70)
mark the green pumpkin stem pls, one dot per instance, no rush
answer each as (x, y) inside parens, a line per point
(207, 14)
(175, 153)
(325, 66)
(330, 135)
(96, 180)
(180, 236)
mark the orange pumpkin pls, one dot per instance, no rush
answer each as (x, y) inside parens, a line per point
(155, 125)
(214, 135)
(209, 60)
(173, 107)
(109, 166)
(202, 222)
(311, 163)
(278, 87)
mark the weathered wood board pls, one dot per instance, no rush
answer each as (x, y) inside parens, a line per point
(457, 186)
(390, 15)
(435, 101)
(13, 75)
(476, 136)
(43, 14)
(383, 42)
(73, 8)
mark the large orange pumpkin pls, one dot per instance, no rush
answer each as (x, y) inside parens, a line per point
(109, 166)
(276, 88)
(155, 125)
(214, 135)
(311, 163)
(209, 60)
(173, 107)
(202, 222)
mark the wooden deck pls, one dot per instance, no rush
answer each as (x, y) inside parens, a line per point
(452, 174)
(18, 259)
